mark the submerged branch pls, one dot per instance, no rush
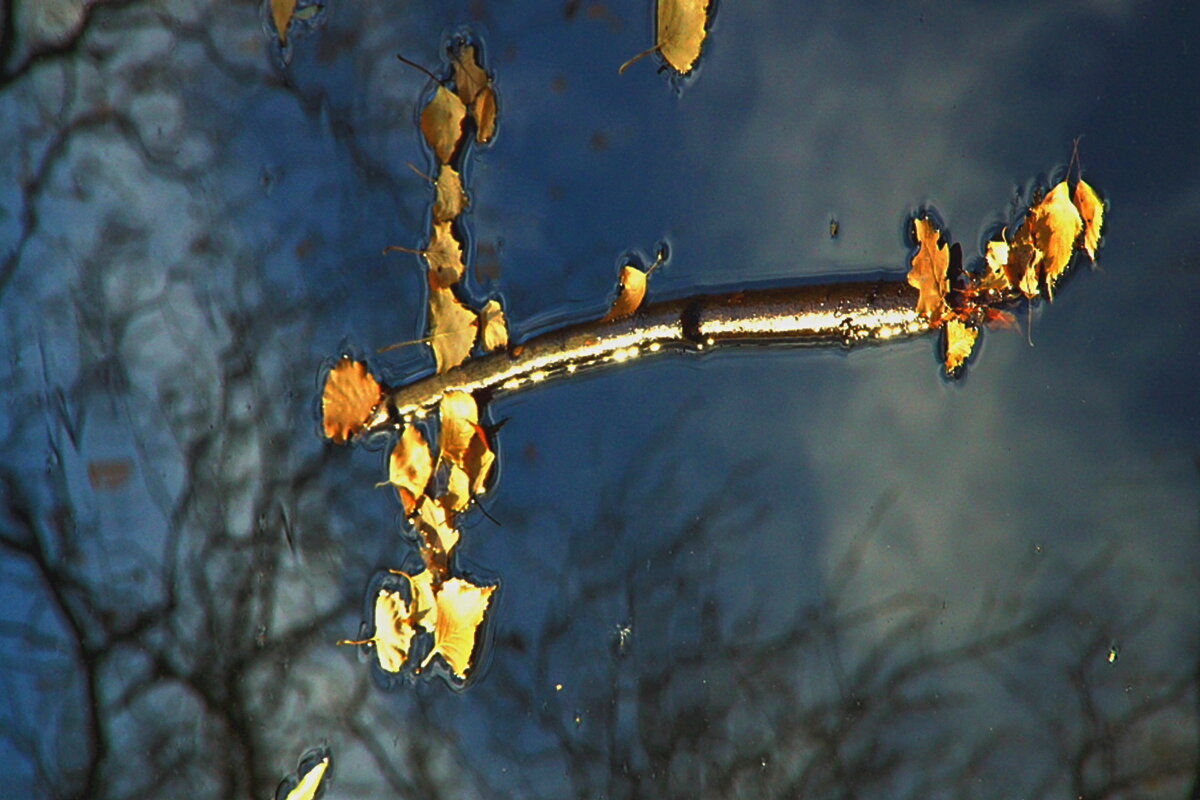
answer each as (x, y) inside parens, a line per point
(824, 315)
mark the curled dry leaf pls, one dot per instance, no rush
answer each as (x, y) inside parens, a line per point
(928, 272)
(960, 342)
(1091, 211)
(452, 328)
(441, 123)
(410, 467)
(493, 328)
(631, 291)
(461, 608)
(349, 397)
(451, 199)
(281, 15)
(444, 256)
(310, 782)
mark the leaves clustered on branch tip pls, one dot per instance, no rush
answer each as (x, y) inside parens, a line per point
(1031, 261)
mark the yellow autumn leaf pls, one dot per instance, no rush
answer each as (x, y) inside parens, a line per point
(631, 291)
(996, 256)
(310, 782)
(1091, 211)
(393, 631)
(349, 397)
(435, 527)
(478, 461)
(928, 271)
(493, 328)
(452, 328)
(484, 109)
(469, 77)
(451, 199)
(444, 256)
(441, 123)
(424, 606)
(459, 416)
(960, 342)
(410, 467)
(461, 607)
(1056, 226)
(281, 14)
(679, 33)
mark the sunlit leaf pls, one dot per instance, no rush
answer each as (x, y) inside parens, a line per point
(451, 199)
(928, 272)
(394, 631)
(461, 607)
(424, 611)
(996, 256)
(469, 77)
(452, 328)
(478, 461)
(281, 14)
(444, 256)
(679, 35)
(310, 782)
(410, 467)
(484, 109)
(435, 527)
(493, 328)
(441, 123)
(459, 416)
(1056, 226)
(960, 342)
(1091, 211)
(349, 397)
(630, 293)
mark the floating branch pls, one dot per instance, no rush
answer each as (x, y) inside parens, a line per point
(826, 315)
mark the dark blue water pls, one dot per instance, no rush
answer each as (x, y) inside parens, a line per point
(766, 573)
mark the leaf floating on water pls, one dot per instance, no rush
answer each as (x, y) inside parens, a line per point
(459, 415)
(394, 632)
(349, 398)
(452, 328)
(461, 607)
(630, 293)
(680, 33)
(493, 328)
(410, 467)
(444, 256)
(281, 14)
(441, 123)
(474, 88)
(928, 272)
(960, 342)
(1091, 211)
(451, 199)
(485, 109)
(435, 528)
(996, 257)
(1056, 226)
(424, 612)
(310, 782)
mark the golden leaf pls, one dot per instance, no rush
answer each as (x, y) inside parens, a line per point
(469, 77)
(493, 328)
(681, 31)
(459, 415)
(996, 256)
(631, 291)
(928, 272)
(281, 13)
(349, 397)
(452, 328)
(1091, 210)
(461, 607)
(478, 461)
(410, 467)
(458, 489)
(393, 631)
(960, 342)
(451, 199)
(1056, 226)
(310, 782)
(424, 613)
(435, 527)
(484, 110)
(441, 123)
(444, 256)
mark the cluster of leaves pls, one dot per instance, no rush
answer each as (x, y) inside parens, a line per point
(1032, 261)
(446, 125)
(681, 26)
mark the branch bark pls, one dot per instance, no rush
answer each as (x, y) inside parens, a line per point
(840, 314)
